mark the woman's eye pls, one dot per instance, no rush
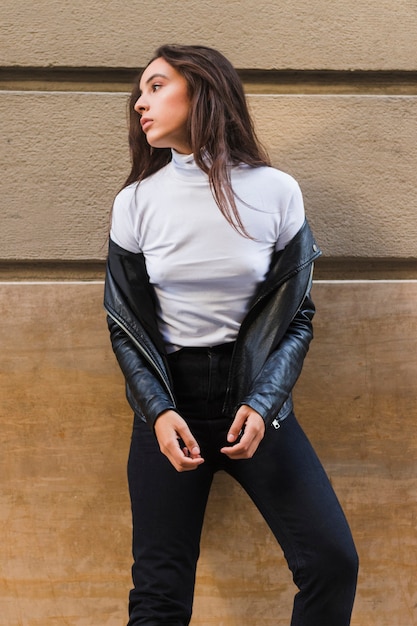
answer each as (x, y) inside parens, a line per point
(156, 86)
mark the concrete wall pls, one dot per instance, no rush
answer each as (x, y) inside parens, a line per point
(333, 88)
(65, 157)
(350, 144)
(325, 35)
(64, 439)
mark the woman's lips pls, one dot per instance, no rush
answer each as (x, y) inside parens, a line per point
(145, 123)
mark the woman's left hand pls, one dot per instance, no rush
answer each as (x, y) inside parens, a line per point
(248, 429)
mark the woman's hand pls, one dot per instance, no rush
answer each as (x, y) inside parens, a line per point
(251, 424)
(171, 431)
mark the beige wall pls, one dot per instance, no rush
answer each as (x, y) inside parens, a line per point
(337, 109)
(64, 439)
(64, 154)
(354, 156)
(378, 34)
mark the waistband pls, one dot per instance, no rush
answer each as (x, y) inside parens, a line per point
(223, 348)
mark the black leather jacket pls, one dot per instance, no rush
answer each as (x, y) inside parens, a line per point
(269, 351)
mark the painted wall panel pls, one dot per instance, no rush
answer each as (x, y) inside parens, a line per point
(65, 155)
(64, 509)
(317, 35)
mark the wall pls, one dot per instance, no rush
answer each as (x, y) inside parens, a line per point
(333, 87)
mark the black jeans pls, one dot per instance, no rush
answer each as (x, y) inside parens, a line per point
(285, 480)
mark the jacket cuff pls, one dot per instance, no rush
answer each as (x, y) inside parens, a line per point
(267, 412)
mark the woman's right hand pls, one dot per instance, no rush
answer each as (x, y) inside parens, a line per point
(170, 430)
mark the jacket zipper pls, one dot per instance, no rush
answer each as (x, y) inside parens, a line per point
(275, 422)
(146, 354)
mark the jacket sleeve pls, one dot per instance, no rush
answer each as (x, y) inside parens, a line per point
(145, 392)
(273, 385)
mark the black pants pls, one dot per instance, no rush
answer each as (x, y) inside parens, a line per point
(285, 480)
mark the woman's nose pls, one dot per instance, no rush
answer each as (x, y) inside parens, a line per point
(140, 106)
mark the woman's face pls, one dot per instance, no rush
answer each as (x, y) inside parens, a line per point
(164, 107)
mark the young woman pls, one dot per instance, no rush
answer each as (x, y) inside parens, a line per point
(209, 309)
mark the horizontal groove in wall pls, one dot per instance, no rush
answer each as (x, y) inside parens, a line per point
(329, 82)
(255, 81)
(326, 268)
(51, 270)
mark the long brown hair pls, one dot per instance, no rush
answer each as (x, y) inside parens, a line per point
(220, 128)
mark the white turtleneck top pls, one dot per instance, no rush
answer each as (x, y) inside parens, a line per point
(204, 272)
